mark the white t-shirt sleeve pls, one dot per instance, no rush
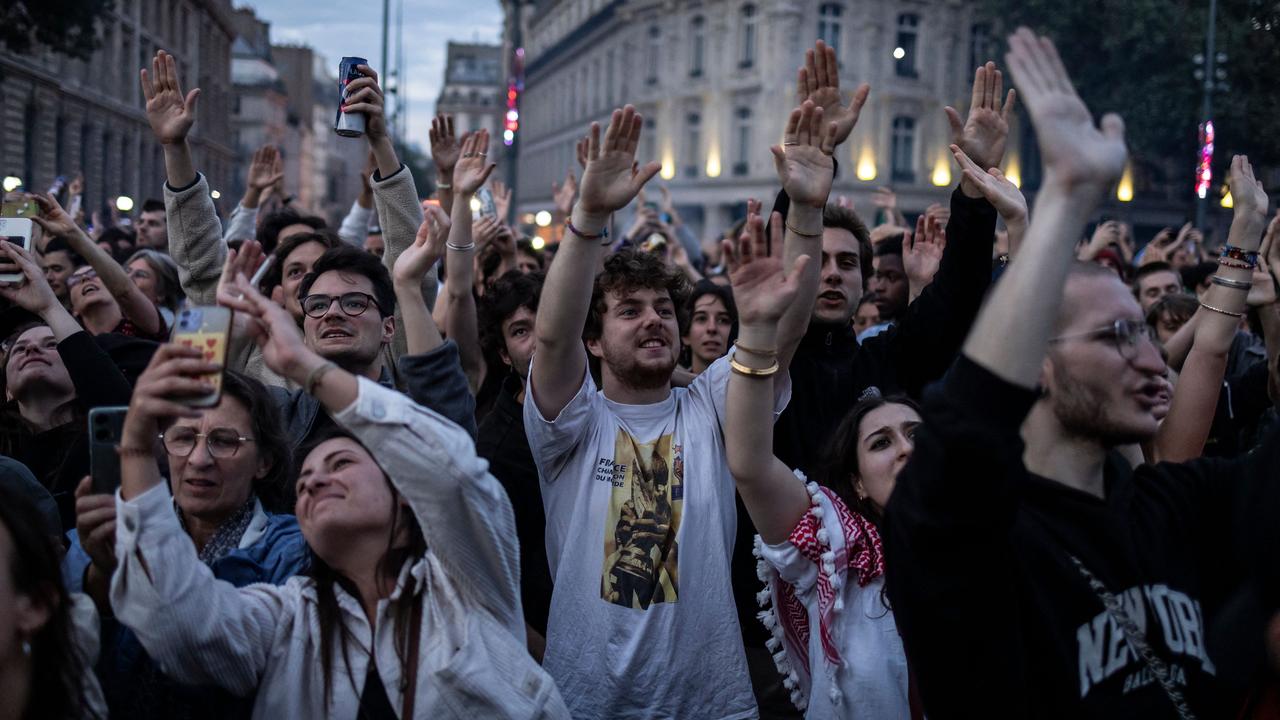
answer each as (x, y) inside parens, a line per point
(553, 441)
(796, 569)
(713, 385)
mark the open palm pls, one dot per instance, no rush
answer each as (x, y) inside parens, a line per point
(984, 133)
(804, 163)
(1246, 190)
(762, 287)
(473, 166)
(612, 178)
(819, 82)
(999, 190)
(427, 248)
(170, 113)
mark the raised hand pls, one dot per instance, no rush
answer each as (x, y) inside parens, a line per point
(266, 168)
(96, 525)
(244, 261)
(580, 150)
(427, 248)
(1246, 190)
(922, 252)
(612, 177)
(501, 198)
(32, 292)
(175, 371)
(1003, 195)
(563, 195)
(364, 95)
(763, 289)
(819, 82)
(803, 161)
(1075, 152)
(885, 199)
(273, 329)
(473, 167)
(53, 219)
(170, 113)
(445, 147)
(983, 134)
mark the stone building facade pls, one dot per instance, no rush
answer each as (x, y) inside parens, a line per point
(715, 80)
(60, 116)
(474, 90)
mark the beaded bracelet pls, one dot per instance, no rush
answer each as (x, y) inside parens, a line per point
(1228, 282)
(741, 369)
(603, 234)
(1221, 311)
(1235, 253)
(1237, 264)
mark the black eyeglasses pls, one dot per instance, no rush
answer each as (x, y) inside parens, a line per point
(351, 304)
(181, 440)
(1126, 334)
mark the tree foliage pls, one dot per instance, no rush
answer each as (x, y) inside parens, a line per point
(1135, 57)
(66, 26)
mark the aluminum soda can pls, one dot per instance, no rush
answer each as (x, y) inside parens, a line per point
(348, 124)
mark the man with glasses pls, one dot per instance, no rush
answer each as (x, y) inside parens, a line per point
(348, 304)
(1031, 567)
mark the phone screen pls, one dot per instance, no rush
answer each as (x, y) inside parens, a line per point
(19, 209)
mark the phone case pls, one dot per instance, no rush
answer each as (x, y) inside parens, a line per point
(205, 328)
(106, 424)
(18, 232)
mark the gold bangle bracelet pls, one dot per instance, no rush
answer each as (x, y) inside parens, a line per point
(755, 351)
(741, 369)
(792, 228)
(1206, 306)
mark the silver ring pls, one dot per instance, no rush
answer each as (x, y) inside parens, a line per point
(790, 142)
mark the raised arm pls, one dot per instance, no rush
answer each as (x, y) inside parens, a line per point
(265, 170)
(134, 304)
(1184, 431)
(420, 331)
(195, 235)
(985, 131)
(460, 323)
(922, 254)
(612, 178)
(1001, 193)
(1011, 335)
(763, 290)
(445, 150)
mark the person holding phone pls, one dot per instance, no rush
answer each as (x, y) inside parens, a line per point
(54, 372)
(229, 474)
(427, 559)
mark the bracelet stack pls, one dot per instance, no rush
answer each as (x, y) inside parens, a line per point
(1234, 257)
(1229, 283)
(751, 372)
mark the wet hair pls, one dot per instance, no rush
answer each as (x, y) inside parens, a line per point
(274, 489)
(1178, 306)
(152, 205)
(512, 291)
(325, 577)
(168, 285)
(838, 462)
(58, 244)
(627, 271)
(277, 220)
(348, 259)
(843, 218)
(275, 273)
(57, 666)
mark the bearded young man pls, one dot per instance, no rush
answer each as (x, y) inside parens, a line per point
(1031, 569)
(635, 480)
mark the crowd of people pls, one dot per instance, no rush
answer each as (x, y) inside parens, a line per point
(998, 460)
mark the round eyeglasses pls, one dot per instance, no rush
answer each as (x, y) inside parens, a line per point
(180, 441)
(1126, 334)
(352, 304)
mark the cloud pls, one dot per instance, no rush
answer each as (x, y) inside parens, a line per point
(336, 29)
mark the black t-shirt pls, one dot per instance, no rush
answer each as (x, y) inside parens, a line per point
(992, 611)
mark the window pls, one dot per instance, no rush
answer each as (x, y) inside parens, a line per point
(741, 141)
(903, 149)
(697, 46)
(693, 144)
(611, 87)
(829, 25)
(979, 44)
(747, 44)
(904, 53)
(655, 52)
(30, 123)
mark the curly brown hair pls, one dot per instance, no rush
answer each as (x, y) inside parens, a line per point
(630, 270)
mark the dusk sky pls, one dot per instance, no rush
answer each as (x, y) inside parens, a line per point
(336, 29)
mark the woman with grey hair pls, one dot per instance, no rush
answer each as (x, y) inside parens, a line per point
(156, 275)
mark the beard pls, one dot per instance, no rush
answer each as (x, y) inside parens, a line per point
(624, 366)
(1086, 410)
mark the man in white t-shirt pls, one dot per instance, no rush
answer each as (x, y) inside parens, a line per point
(635, 481)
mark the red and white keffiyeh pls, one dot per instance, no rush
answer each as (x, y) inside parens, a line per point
(840, 542)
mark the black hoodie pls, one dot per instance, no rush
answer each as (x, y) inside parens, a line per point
(994, 614)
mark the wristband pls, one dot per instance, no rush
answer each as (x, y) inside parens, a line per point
(461, 248)
(602, 235)
(790, 227)
(741, 369)
(315, 376)
(1235, 253)
(1228, 282)
(1221, 311)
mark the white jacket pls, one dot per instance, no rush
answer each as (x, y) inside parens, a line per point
(472, 657)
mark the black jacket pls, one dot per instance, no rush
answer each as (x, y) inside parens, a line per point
(830, 370)
(503, 443)
(992, 610)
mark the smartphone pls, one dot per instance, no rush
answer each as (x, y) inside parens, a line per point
(106, 424)
(18, 232)
(487, 208)
(24, 208)
(207, 327)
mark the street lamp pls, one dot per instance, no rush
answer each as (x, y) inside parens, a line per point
(12, 182)
(543, 218)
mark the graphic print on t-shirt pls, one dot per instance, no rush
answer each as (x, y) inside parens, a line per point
(641, 556)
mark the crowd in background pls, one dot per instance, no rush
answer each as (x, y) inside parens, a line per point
(992, 460)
